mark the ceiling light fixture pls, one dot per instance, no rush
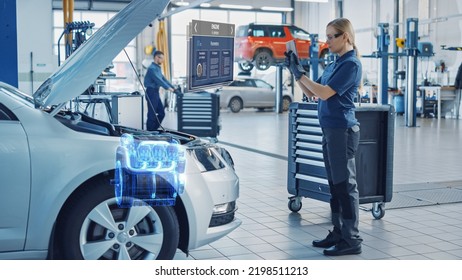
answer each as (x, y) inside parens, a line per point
(314, 1)
(181, 3)
(237, 7)
(205, 5)
(277, 9)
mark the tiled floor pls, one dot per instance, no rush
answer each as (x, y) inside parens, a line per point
(423, 221)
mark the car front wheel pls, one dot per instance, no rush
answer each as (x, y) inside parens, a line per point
(263, 60)
(235, 104)
(94, 227)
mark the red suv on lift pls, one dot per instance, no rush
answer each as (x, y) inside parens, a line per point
(264, 45)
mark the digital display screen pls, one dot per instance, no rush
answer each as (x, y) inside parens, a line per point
(211, 61)
(210, 54)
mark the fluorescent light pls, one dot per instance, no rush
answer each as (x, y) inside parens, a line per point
(181, 3)
(206, 5)
(277, 9)
(239, 7)
(318, 1)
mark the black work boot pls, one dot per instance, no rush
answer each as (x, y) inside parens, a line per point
(332, 238)
(343, 248)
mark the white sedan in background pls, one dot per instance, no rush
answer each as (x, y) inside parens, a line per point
(246, 92)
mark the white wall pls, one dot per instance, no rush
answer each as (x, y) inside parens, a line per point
(34, 22)
(446, 32)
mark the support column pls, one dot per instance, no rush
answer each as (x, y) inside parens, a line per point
(383, 41)
(279, 89)
(9, 43)
(314, 57)
(411, 71)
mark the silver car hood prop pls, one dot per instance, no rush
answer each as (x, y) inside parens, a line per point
(84, 66)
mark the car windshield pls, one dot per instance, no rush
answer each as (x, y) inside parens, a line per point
(16, 94)
(263, 84)
(299, 33)
(241, 83)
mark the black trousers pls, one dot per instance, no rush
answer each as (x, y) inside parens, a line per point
(339, 147)
(156, 110)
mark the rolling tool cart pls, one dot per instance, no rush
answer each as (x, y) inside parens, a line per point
(199, 113)
(374, 159)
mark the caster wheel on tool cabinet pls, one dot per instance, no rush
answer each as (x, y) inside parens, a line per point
(378, 211)
(294, 205)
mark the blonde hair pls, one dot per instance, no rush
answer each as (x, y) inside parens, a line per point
(343, 25)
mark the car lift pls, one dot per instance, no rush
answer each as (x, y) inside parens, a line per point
(279, 87)
(314, 57)
(314, 60)
(411, 52)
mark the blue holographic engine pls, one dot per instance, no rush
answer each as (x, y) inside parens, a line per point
(148, 171)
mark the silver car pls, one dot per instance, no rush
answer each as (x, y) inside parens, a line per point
(56, 168)
(251, 93)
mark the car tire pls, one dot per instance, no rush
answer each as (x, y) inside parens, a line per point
(123, 185)
(245, 66)
(286, 103)
(235, 104)
(263, 59)
(94, 227)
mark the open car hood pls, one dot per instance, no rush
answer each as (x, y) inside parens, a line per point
(84, 66)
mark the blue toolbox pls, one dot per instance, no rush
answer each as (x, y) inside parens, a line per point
(374, 159)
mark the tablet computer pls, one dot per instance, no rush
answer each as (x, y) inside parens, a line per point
(290, 46)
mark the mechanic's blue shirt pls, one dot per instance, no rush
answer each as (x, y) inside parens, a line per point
(344, 77)
(154, 78)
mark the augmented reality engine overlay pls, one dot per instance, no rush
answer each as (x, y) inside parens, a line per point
(148, 171)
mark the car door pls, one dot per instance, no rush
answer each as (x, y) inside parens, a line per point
(14, 181)
(279, 39)
(265, 96)
(250, 93)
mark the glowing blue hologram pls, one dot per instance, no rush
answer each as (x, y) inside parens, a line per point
(148, 170)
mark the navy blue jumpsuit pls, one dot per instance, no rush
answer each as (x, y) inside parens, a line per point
(152, 82)
(340, 142)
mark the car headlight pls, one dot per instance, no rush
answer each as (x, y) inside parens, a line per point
(207, 159)
(226, 156)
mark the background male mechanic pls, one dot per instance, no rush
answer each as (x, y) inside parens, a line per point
(152, 82)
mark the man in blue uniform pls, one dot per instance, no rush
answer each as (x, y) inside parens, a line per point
(152, 82)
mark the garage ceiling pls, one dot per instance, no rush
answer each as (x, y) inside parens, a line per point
(89, 2)
(116, 5)
(94, 5)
